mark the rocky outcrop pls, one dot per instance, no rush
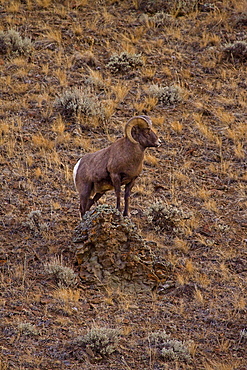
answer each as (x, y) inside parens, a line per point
(110, 250)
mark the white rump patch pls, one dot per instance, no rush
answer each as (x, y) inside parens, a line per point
(75, 171)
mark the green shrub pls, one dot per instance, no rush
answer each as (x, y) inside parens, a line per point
(35, 222)
(175, 350)
(64, 275)
(182, 7)
(165, 217)
(171, 349)
(102, 341)
(167, 95)
(74, 102)
(12, 43)
(124, 62)
(26, 328)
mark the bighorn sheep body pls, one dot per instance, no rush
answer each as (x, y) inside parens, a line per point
(119, 164)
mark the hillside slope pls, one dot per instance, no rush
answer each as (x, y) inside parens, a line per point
(71, 74)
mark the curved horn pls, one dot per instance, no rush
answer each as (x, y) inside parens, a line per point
(141, 121)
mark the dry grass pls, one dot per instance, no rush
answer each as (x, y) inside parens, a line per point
(200, 168)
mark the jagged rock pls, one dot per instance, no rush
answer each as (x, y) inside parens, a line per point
(109, 250)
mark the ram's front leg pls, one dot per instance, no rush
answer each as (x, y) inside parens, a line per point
(128, 188)
(116, 182)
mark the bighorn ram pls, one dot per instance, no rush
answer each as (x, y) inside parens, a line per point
(118, 164)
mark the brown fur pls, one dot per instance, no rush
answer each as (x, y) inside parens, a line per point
(109, 168)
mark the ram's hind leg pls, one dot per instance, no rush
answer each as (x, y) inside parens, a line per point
(93, 200)
(84, 197)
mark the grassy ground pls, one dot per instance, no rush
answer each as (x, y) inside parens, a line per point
(183, 69)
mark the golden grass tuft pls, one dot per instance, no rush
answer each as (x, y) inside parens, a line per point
(67, 294)
(177, 126)
(120, 90)
(38, 172)
(54, 35)
(181, 244)
(13, 7)
(42, 143)
(58, 125)
(151, 160)
(199, 296)
(45, 4)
